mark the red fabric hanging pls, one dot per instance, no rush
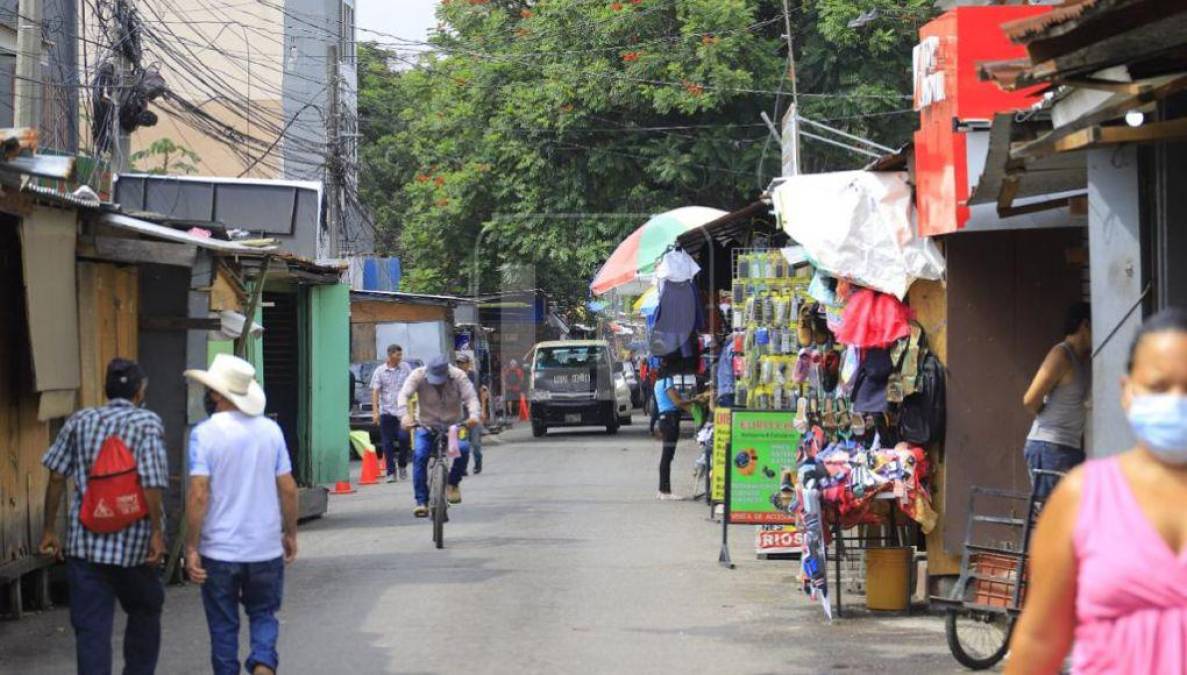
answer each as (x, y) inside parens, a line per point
(874, 319)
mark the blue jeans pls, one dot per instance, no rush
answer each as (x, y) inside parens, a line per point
(259, 586)
(1049, 457)
(420, 465)
(476, 446)
(94, 588)
(393, 442)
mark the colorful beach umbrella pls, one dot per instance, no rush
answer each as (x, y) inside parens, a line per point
(647, 302)
(639, 253)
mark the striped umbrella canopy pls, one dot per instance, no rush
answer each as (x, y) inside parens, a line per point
(639, 253)
(647, 302)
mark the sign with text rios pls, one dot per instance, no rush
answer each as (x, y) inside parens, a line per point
(777, 539)
(762, 461)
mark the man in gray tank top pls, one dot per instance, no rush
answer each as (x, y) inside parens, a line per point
(1058, 396)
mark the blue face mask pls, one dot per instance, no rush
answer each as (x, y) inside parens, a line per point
(1160, 422)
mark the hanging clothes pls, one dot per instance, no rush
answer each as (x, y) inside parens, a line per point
(873, 319)
(869, 384)
(679, 315)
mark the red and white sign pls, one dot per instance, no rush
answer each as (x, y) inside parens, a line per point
(777, 539)
(948, 90)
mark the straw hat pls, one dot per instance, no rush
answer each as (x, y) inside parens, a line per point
(235, 379)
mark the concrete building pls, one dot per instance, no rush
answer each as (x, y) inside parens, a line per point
(267, 70)
(59, 95)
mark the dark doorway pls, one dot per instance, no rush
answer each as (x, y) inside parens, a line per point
(282, 368)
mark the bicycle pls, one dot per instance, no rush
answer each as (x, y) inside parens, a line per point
(438, 470)
(991, 589)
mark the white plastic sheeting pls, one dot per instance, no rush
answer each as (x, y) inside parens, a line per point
(859, 225)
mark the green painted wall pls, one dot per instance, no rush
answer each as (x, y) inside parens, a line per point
(328, 411)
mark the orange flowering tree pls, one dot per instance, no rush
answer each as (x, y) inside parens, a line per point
(547, 130)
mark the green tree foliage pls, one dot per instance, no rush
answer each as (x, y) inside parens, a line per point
(550, 129)
(163, 156)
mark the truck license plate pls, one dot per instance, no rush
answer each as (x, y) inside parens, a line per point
(573, 418)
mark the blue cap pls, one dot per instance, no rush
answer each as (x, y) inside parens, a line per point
(437, 372)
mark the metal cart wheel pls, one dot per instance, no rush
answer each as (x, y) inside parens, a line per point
(978, 639)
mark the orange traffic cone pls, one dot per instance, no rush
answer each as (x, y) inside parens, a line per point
(343, 487)
(370, 475)
(525, 414)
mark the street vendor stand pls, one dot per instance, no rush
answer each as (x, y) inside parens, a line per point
(834, 375)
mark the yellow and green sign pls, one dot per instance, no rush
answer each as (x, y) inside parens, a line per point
(721, 451)
(762, 451)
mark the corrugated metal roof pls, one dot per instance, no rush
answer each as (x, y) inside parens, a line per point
(1022, 31)
(416, 298)
(154, 230)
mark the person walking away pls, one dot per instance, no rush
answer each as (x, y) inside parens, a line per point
(103, 567)
(441, 390)
(668, 405)
(386, 382)
(1057, 396)
(513, 382)
(1109, 571)
(241, 515)
(725, 375)
(466, 363)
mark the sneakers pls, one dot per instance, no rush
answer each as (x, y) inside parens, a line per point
(668, 497)
(403, 473)
(453, 494)
(391, 478)
(421, 511)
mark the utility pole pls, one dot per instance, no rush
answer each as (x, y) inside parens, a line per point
(333, 157)
(121, 149)
(791, 125)
(27, 90)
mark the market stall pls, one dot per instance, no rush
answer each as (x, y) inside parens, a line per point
(836, 395)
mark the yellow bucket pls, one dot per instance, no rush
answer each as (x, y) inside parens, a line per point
(888, 578)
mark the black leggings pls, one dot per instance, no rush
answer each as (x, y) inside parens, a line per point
(669, 427)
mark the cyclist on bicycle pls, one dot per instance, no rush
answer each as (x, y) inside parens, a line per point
(441, 390)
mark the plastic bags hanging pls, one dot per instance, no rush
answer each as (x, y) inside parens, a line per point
(859, 225)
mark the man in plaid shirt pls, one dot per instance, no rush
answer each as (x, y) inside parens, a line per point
(122, 565)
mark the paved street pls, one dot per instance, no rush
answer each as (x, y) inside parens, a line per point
(559, 561)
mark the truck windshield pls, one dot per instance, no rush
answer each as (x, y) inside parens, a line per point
(570, 357)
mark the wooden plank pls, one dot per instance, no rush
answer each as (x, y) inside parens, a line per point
(1046, 144)
(362, 342)
(127, 309)
(123, 250)
(178, 323)
(376, 311)
(929, 300)
(224, 294)
(19, 568)
(91, 391)
(1172, 130)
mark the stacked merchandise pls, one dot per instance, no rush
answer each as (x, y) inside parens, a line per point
(866, 392)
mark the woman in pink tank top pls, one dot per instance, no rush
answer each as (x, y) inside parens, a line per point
(1109, 555)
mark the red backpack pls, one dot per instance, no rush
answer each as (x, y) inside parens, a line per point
(113, 499)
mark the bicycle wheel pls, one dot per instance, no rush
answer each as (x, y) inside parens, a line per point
(978, 639)
(438, 504)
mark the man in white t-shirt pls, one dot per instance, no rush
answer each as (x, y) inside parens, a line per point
(241, 515)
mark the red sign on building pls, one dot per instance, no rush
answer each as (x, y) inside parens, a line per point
(949, 92)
